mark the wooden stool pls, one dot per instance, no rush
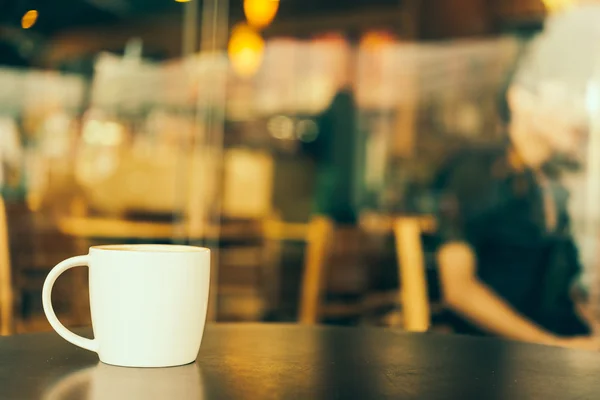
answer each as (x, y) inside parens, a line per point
(411, 269)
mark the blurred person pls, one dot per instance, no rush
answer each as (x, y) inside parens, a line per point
(334, 154)
(508, 259)
(334, 151)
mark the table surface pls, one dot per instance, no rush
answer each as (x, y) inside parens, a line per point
(293, 362)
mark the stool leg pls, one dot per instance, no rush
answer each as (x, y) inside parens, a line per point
(319, 236)
(411, 272)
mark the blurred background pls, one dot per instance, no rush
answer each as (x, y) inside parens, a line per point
(302, 141)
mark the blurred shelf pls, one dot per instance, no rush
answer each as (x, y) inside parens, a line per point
(374, 223)
(239, 304)
(115, 228)
(397, 18)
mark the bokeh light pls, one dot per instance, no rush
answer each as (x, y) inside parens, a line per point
(29, 19)
(375, 40)
(330, 37)
(260, 13)
(307, 130)
(281, 127)
(246, 50)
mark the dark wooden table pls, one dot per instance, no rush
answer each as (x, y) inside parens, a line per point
(294, 362)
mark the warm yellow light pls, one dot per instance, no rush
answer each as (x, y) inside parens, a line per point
(246, 48)
(183, 1)
(376, 39)
(556, 5)
(29, 19)
(330, 37)
(260, 13)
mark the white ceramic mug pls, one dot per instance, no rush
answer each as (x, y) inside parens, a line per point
(148, 303)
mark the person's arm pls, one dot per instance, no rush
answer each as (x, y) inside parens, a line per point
(471, 298)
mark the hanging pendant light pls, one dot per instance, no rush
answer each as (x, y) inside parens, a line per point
(375, 40)
(245, 49)
(29, 19)
(260, 13)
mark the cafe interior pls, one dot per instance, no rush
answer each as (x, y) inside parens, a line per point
(301, 141)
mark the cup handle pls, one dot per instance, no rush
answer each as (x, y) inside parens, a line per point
(80, 261)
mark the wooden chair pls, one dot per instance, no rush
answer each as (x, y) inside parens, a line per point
(7, 322)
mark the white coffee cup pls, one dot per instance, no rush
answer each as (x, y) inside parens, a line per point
(148, 303)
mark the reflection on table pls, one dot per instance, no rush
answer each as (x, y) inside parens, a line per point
(116, 383)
